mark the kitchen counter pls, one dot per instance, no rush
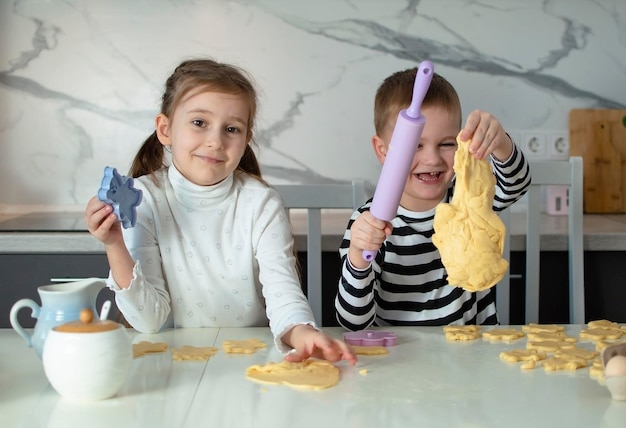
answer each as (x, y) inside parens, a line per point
(65, 232)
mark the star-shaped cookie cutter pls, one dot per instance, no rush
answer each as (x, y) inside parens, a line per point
(371, 338)
(118, 191)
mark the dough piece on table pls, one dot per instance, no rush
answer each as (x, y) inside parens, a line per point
(528, 365)
(603, 324)
(576, 352)
(369, 350)
(461, 332)
(248, 346)
(550, 345)
(517, 355)
(560, 363)
(307, 374)
(544, 336)
(539, 328)
(142, 348)
(468, 233)
(602, 344)
(600, 334)
(198, 353)
(503, 334)
(596, 370)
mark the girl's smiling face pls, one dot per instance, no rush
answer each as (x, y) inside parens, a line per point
(432, 168)
(208, 134)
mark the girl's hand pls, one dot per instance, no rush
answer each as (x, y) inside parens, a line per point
(102, 222)
(309, 342)
(366, 233)
(487, 135)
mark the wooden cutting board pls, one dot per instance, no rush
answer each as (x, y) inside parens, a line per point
(599, 136)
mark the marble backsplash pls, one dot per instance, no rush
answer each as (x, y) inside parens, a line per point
(80, 80)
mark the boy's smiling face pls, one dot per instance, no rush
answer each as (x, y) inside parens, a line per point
(432, 167)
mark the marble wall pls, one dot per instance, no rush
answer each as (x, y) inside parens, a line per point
(80, 80)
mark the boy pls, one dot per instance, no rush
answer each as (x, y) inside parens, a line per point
(407, 283)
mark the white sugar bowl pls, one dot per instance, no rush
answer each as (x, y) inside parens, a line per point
(87, 360)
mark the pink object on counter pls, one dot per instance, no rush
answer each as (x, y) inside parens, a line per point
(402, 147)
(371, 338)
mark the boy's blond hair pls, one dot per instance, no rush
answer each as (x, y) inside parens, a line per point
(396, 92)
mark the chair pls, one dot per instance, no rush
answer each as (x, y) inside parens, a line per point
(314, 198)
(567, 173)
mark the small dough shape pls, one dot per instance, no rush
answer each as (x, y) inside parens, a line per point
(596, 371)
(142, 348)
(601, 334)
(601, 345)
(369, 350)
(307, 374)
(461, 332)
(197, 353)
(603, 324)
(576, 353)
(517, 355)
(560, 363)
(468, 233)
(549, 345)
(248, 346)
(542, 328)
(503, 334)
(544, 336)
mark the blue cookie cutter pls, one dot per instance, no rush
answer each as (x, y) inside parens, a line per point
(118, 191)
(371, 338)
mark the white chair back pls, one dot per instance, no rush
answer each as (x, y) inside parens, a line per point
(314, 198)
(544, 173)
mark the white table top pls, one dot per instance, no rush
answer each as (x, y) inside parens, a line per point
(424, 381)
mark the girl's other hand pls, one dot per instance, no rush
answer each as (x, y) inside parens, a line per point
(102, 222)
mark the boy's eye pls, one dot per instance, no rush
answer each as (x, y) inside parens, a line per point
(449, 144)
(198, 122)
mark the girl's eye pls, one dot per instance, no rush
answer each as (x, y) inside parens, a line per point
(199, 123)
(232, 129)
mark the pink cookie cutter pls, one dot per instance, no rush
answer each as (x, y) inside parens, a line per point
(371, 338)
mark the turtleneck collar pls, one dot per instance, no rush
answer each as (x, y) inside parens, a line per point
(197, 197)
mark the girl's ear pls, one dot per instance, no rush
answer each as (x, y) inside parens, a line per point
(380, 148)
(163, 129)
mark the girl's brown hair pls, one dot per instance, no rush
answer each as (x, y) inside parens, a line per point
(198, 75)
(396, 91)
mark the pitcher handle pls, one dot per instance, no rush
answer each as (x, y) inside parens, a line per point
(35, 309)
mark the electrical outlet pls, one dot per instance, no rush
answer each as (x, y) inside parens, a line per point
(558, 145)
(534, 144)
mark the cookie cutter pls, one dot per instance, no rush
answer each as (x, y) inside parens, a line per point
(117, 190)
(371, 338)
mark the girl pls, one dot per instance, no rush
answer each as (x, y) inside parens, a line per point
(212, 246)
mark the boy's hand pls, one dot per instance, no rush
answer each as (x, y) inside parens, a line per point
(102, 222)
(487, 135)
(309, 342)
(366, 233)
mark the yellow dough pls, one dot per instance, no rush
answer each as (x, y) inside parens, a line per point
(603, 324)
(550, 345)
(560, 363)
(461, 332)
(370, 350)
(469, 235)
(544, 336)
(307, 374)
(596, 370)
(517, 355)
(193, 353)
(576, 352)
(503, 334)
(248, 346)
(142, 348)
(542, 328)
(601, 333)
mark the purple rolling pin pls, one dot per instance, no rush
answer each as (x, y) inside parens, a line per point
(402, 147)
